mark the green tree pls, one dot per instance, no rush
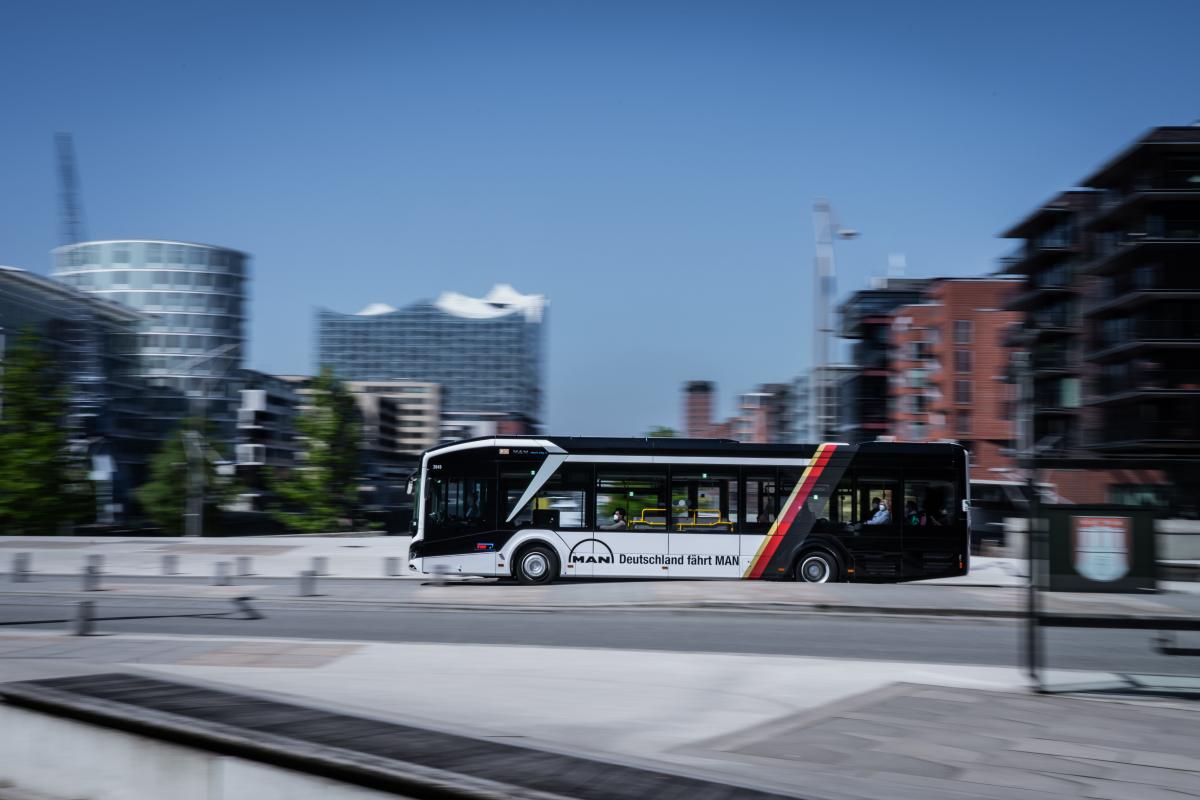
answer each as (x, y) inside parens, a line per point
(320, 493)
(164, 496)
(43, 486)
(662, 432)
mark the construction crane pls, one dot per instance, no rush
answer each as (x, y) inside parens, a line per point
(70, 207)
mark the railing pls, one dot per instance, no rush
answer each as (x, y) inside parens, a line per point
(1132, 380)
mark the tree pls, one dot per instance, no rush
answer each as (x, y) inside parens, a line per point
(320, 492)
(662, 432)
(164, 497)
(42, 485)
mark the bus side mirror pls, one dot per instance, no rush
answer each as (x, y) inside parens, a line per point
(409, 489)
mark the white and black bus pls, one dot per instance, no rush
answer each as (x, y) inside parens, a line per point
(540, 508)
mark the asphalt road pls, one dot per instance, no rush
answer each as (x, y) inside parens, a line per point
(851, 636)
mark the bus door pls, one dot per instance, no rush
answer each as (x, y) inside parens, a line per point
(933, 525)
(872, 533)
(703, 524)
(631, 522)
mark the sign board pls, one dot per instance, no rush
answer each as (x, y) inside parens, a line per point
(1101, 549)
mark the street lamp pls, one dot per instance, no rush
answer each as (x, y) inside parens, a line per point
(825, 229)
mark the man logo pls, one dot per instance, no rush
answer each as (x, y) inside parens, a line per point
(591, 551)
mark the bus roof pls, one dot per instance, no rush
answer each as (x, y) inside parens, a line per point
(602, 445)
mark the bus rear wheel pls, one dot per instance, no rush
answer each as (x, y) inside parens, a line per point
(817, 566)
(535, 565)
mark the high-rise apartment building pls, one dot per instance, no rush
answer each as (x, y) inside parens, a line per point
(191, 344)
(866, 319)
(485, 353)
(950, 363)
(1112, 306)
(698, 409)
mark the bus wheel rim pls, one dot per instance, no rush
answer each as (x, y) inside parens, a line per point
(815, 569)
(534, 565)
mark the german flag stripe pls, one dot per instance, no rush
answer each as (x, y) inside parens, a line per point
(791, 508)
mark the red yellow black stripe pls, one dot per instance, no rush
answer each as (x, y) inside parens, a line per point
(795, 502)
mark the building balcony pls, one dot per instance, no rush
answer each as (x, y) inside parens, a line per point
(1167, 437)
(1148, 381)
(1031, 257)
(1139, 336)
(1128, 249)
(1132, 298)
(1118, 208)
(1037, 296)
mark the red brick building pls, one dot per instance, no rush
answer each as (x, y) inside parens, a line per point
(949, 364)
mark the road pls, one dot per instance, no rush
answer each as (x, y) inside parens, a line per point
(850, 636)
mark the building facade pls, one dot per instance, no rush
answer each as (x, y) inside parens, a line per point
(190, 347)
(485, 354)
(266, 433)
(950, 365)
(866, 320)
(91, 340)
(398, 416)
(1112, 309)
(698, 409)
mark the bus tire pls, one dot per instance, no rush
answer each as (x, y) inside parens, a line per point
(535, 565)
(817, 566)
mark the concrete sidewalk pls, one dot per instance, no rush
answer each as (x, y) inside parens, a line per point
(909, 599)
(815, 728)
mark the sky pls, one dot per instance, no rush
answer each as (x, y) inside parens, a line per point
(649, 166)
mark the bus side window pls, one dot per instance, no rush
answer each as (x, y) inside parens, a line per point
(870, 492)
(929, 503)
(704, 500)
(639, 495)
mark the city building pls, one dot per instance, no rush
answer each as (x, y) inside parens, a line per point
(266, 425)
(950, 366)
(190, 347)
(398, 416)
(765, 415)
(91, 340)
(698, 409)
(485, 353)
(805, 428)
(866, 319)
(1112, 307)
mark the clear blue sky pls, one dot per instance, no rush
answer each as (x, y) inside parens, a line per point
(648, 166)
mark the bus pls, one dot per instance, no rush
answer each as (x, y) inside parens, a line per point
(539, 508)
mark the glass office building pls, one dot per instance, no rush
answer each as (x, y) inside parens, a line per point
(484, 352)
(190, 348)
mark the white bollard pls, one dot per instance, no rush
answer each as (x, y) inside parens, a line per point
(170, 565)
(245, 567)
(84, 623)
(96, 560)
(308, 583)
(391, 567)
(91, 578)
(320, 565)
(221, 576)
(20, 567)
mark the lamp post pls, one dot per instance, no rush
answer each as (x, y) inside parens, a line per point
(825, 229)
(193, 442)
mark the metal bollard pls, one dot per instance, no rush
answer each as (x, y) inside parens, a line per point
(91, 578)
(221, 576)
(20, 567)
(95, 560)
(170, 565)
(308, 583)
(320, 565)
(391, 567)
(84, 623)
(248, 611)
(441, 574)
(245, 567)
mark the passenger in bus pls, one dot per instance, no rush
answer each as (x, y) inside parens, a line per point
(618, 523)
(882, 515)
(471, 507)
(912, 517)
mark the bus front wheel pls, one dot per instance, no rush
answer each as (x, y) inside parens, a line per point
(817, 566)
(535, 565)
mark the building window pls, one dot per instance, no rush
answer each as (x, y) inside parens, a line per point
(962, 391)
(962, 331)
(962, 423)
(962, 360)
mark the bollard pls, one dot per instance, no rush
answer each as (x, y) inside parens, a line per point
(245, 567)
(20, 567)
(221, 576)
(248, 611)
(91, 578)
(391, 567)
(84, 623)
(170, 565)
(441, 574)
(320, 565)
(308, 583)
